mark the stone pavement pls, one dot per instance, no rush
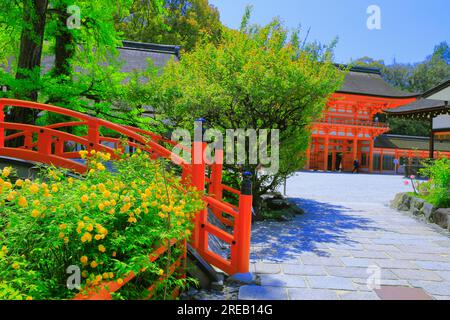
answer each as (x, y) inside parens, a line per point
(348, 235)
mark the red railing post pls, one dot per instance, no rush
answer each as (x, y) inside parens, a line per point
(215, 187)
(199, 239)
(243, 227)
(93, 134)
(2, 130)
(44, 142)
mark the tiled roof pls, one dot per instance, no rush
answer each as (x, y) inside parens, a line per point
(368, 81)
(390, 141)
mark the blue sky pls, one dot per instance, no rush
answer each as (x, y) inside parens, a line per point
(409, 28)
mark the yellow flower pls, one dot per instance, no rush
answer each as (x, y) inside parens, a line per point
(119, 281)
(11, 196)
(29, 298)
(23, 202)
(91, 171)
(98, 237)
(66, 240)
(101, 206)
(34, 188)
(84, 274)
(70, 180)
(93, 152)
(112, 211)
(35, 213)
(54, 188)
(114, 254)
(105, 275)
(101, 248)
(62, 226)
(84, 198)
(6, 171)
(61, 235)
(100, 167)
(132, 219)
(19, 182)
(15, 265)
(160, 272)
(87, 237)
(94, 264)
(84, 260)
(4, 249)
(107, 193)
(90, 227)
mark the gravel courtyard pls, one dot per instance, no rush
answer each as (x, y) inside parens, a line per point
(348, 234)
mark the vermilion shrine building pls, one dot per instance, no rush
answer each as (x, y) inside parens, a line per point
(350, 130)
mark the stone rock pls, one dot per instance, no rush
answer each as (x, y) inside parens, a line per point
(242, 278)
(218, 286)
(416, 204)
(277, 204)
(401, 202)
(442, 218)
(428, 209)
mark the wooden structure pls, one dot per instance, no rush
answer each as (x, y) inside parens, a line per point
(433, 106)
(350, 125)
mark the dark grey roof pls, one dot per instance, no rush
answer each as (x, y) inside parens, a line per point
(135, 55)
(391, 141)
(421, 108)
(368, 81)
(436, 89)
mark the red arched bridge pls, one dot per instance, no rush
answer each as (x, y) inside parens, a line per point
(50, 145)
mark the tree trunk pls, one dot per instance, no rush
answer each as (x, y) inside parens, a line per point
(65, 46)
(32, 37)
(31, 41)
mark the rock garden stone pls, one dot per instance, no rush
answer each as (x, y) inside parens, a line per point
(428, 209)
(442, 218)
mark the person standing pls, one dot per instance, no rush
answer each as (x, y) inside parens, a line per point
(396, 163)
(355, 166)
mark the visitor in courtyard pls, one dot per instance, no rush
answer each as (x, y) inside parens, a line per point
(355, 166)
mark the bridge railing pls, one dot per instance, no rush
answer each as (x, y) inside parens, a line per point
(47, 144)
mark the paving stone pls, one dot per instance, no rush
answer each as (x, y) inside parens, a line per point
(358, 262)
(396, 264)
(446, 298)
(336, 283)
(444, 275)
(432, 287)
(253, 292)
(423, 249)
(416, 275)
(306, 270)
(267, 268)
(418, 256)
(434, 265)
(321, 261)
(357, 272)
(312, 294)
(283, 280)
(369, 254)
(359, 296)
(381, 247)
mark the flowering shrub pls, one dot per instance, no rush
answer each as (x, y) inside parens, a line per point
(438, 187)
(104, 222)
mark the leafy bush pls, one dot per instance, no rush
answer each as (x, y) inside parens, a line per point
(106, 222)
(438, 187)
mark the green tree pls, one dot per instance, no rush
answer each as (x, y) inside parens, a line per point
(86, 75)
(254, 79)
(416, 78)
(180, 22)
